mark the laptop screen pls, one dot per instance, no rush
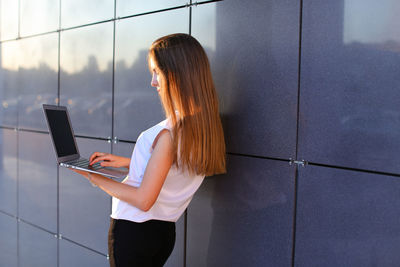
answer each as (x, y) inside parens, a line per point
(61, 132)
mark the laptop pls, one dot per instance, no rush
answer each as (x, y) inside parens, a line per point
(65, 146)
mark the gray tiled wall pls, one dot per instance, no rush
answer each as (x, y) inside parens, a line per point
(300, 82)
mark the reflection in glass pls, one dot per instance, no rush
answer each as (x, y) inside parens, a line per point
(372, 22)
(137, 105)
(347, 218)
(86, 78)
(37, 79)
(8, 171)
(37, 180)
(123, 149)
(253, 51)
(8, 240)
(32, 19)
(243, 218)
(29, 53)
(131, 7)
(78, 197)
(29, 68)
(8, 19)
(78, 12)
(10, 58)
(350, 84)
(72, 254)
(204, 17)
(35, 246)
(88, 48)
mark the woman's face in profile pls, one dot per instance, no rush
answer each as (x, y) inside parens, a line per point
(156, 79)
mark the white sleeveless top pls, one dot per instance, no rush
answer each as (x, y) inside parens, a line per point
(176, 193)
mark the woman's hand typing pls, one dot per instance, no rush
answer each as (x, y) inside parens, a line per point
(109, 160)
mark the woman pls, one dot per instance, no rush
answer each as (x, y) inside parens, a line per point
(169, 161)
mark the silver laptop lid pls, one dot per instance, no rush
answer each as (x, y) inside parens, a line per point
(61, 132)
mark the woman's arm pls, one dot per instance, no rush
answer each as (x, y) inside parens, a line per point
(109, 160)
(157, 169)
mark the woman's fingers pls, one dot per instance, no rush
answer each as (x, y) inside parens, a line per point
(103, 158)
(95, 155)
(107, 160)
(98, 156)
(107, 164)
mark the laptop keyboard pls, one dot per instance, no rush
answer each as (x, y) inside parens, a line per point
(84, 163)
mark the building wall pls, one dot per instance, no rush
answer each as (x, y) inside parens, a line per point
(309, 96)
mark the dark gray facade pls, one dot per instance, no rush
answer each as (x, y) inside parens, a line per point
(310, 101)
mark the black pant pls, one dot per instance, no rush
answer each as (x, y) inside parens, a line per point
(140, 244)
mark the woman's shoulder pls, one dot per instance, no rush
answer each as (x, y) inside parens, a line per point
(165, 124)
(153, 131)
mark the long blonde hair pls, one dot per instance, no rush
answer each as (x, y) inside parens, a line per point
(189, 98)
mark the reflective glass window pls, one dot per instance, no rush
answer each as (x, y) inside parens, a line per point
(86, 78)
(253, 51)
(8, 171)
(78, 197)
(37, 180)
(243, 218)
(72, 254)
(78, 12)
(9, 93)
(35, 246)
(38, 16)
(8, 19)
(37, 79)
(350, 97)
(131, 7)
(8, 241)
(137, 105)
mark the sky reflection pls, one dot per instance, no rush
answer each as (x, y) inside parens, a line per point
(32, 19)
(8, 19)
(371, 21)
(31, 53)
